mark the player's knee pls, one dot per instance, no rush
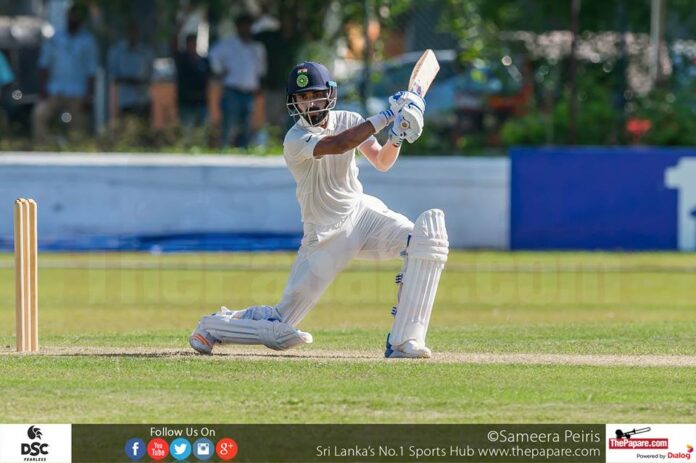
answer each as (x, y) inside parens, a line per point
(261, 312)
(429, 238)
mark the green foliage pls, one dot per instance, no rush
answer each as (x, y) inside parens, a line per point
(310, 28)
(133, 135)
(431, 142)
(672, 116)
(531, 129)
(597, 121)
(476, 35)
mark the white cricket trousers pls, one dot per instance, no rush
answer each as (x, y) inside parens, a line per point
(371, 231)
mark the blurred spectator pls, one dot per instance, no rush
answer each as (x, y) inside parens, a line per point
(241, 62)
(6, 78)
(130, 67)
(6, 75)
(281, 45)
(192, 73)
(67, 65)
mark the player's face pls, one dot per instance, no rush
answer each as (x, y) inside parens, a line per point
(312, 100)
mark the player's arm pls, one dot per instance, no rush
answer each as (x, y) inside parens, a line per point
(381, 157)
(351, 138)
(407, 126)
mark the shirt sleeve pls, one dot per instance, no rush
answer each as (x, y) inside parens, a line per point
(300, 147)
(215, 59)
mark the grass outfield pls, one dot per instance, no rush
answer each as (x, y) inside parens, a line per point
(520, 337)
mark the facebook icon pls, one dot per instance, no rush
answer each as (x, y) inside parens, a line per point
(135, 449)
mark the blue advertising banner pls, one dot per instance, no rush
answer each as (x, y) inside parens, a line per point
(603, 198)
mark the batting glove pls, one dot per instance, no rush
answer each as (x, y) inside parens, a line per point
(395, 138)
(403, 98)
(408, 124)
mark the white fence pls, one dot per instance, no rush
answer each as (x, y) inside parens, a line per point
(111, 194)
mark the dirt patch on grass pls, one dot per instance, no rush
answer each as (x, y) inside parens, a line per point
(255, 353)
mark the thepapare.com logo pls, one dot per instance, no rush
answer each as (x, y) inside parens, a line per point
(34, 449)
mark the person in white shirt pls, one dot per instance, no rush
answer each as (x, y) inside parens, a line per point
(342, 223)
(241, 62)
(67, 65)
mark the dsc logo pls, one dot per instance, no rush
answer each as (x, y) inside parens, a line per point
(35, 449)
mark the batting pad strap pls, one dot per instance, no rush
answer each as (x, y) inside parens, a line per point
(435, 250)
(426, 256)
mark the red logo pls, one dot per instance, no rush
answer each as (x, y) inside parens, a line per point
(158, 449)
(226, 449)
(638, 444)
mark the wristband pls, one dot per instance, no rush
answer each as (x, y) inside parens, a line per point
(380, 121)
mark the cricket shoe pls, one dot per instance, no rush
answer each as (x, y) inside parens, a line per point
(202, 341)
(410, 349)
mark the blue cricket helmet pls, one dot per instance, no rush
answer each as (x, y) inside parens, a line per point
(310, 76)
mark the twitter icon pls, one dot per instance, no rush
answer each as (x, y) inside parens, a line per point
(180, 448)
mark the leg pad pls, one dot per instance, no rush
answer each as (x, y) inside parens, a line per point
(425, 259)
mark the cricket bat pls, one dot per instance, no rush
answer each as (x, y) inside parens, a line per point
(424, 73)
(422, 76)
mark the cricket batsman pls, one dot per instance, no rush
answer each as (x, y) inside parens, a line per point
(341, 222)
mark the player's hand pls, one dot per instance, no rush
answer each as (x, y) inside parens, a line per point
(396, 138)
(408, 124)
(403, 98)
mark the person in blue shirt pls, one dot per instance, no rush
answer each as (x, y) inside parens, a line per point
(6, 74)
(6, 78)
(130, 68)
(67, 64)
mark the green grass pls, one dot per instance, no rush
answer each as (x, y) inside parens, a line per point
(204, 390)
(489, 302)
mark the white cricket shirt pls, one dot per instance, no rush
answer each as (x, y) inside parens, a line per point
(327, 188)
